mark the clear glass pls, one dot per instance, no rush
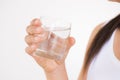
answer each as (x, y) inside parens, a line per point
(56, 32)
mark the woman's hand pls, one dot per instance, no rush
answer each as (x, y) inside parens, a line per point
(37, 35)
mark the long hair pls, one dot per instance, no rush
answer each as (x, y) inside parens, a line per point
(100, 39)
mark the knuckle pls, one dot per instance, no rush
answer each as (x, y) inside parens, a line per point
(34, 30)
(30, 30)
(27, 29)
(34, 20)
(28, 50)
(26, 38)
(29, 39)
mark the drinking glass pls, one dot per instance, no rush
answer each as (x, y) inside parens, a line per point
(56, 32)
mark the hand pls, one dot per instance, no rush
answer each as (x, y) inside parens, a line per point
(36, 35)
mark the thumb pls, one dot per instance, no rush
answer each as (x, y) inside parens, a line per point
(71, 42)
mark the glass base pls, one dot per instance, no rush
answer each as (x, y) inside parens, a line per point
(50, 55)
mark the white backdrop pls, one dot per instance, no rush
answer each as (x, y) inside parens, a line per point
(15, 15)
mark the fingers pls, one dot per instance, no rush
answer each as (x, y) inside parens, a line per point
(34, 30)
(71, 42)
(31, 49)
(36, 22)
(36, 34)
(30, 39)
(33, 38)
(34, 27)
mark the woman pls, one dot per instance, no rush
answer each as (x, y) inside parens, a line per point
(102, 59)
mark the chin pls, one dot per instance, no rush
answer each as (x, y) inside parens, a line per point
(115, 1)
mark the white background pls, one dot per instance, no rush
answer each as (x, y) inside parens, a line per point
(15, 15)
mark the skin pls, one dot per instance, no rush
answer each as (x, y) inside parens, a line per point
(115, 1)
(116, 44)
(56, 70)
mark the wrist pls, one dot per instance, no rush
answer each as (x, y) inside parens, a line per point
(58, 74)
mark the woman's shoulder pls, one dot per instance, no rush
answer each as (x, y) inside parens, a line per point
(96, 30)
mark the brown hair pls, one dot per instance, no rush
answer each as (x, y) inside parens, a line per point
(100, 39)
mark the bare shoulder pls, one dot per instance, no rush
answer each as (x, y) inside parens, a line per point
(94, 32)
(92, 36)
(96, 29)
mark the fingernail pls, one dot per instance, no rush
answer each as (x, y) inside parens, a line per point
(36, 21)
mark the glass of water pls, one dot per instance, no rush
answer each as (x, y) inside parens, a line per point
(57, 31)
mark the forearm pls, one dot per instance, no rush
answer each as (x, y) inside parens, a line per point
(58, 74)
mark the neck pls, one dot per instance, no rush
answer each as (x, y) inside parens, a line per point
(117, 45)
